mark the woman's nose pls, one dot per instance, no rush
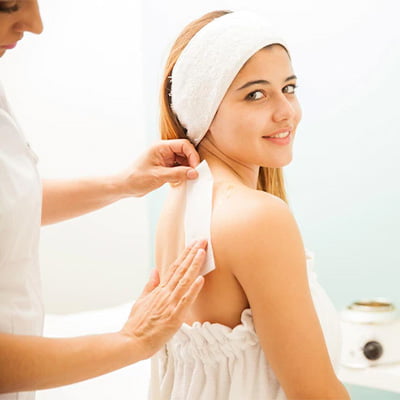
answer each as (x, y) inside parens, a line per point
(283, 109)
(30, 19)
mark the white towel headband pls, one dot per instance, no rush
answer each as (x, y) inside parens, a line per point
(210, 62)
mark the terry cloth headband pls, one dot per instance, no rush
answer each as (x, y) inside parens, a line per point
(210, 62)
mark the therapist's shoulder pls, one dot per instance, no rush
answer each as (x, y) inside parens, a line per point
(250, 222)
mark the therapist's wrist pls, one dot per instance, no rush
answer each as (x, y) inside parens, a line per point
(134, 349)
(116, 187)
(135, 182)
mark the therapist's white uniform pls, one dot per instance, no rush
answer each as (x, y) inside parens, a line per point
(21, 306)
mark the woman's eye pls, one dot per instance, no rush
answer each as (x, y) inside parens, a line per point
(257, 95)
(291, 89)
(8, 6)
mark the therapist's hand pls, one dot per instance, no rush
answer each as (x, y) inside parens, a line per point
(166, 161)
(162, 307)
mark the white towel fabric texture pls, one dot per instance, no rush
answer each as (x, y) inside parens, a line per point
(210, 62)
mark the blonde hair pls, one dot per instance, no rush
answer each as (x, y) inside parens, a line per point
(269, 179)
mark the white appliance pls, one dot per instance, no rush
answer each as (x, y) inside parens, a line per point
(370, 334)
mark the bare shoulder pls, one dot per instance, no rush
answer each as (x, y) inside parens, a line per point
(246, 220)
(256, 235)
(257, 238)
(244, 203)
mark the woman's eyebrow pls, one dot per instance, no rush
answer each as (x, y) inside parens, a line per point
(264, 82)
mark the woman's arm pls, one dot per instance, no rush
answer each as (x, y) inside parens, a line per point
(165, 161)
(32, 363)
(262, 244)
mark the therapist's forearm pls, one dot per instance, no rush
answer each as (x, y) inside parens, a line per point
(65, 199)
(166, 161)
(33, 363)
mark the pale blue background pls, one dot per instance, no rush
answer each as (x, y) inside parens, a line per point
(343, 184)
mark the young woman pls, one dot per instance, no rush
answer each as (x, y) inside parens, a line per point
(262, 327)
(27, 360)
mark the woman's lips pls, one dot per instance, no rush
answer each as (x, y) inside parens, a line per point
(8, 46)
(279, 140)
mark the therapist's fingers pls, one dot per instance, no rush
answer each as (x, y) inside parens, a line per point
(152, 283)
(179, 151)
(181, 284)
(176, 175)
(187, 300)
(165, 161)
(181, 265)
(179, 158)
(184, 276)
(159, 313)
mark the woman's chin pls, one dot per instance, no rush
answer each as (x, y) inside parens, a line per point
(278, 162)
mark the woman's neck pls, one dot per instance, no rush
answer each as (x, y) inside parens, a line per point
(227, 169)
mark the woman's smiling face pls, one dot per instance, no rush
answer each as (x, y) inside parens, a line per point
(260, 104)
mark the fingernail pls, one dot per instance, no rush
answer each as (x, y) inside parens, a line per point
(202, 243)
(192, 174)
(199, 279)
(200, 252)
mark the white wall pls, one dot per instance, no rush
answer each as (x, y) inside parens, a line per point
(76, 91)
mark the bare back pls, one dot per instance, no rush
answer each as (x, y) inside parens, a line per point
(222, 299)
(251, 232)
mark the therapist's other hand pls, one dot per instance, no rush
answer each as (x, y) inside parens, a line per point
(162, 307)
(170, 161)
